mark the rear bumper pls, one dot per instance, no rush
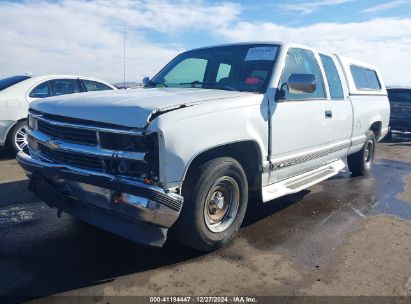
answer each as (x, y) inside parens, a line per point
(89, 196)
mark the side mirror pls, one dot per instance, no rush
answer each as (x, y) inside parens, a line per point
(301, 83)
(145, 81)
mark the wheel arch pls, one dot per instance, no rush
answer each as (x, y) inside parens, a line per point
(13, 125)
(247, 153)
(376, 127)
(9, 132)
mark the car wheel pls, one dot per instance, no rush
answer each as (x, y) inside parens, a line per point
(360, 163)
(388, 137)
(216, 195)
(18, 137)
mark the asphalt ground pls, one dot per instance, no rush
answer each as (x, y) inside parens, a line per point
(343, 237)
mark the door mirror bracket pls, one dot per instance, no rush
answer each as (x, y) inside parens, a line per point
(145, 81)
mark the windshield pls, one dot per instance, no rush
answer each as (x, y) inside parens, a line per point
(8, 82)
(235, 68)
(402, 95)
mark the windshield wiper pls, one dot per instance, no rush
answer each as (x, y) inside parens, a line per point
(217, 85)
(154, 84)
(196, 82)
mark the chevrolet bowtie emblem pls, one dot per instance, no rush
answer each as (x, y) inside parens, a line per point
(52, 145)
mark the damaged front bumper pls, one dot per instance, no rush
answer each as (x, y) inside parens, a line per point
(121, 205)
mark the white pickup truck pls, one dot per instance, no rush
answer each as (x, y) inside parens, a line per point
(214, 124)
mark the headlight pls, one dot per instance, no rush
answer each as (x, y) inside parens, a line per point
(122, 142)
(33, 123)
(129, 167)
(148, 144)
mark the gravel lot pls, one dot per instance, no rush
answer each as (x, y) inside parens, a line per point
(345, 236)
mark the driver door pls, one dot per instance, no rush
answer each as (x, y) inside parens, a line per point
(298, 120)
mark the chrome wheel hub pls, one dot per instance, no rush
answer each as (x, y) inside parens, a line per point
(20, 138)
(222, 204)
(217, 200)
(369, 153)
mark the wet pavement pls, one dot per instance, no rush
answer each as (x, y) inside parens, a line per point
(323, 240)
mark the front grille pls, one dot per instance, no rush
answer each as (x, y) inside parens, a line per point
(74, 135)
(73, 159)
(97, 149)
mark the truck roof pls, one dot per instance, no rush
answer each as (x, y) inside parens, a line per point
(345, 62)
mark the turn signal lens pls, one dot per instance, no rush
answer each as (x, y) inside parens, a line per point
(148, 181)
(116, 199)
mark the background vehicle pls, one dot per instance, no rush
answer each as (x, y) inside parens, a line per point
(214, 124)
(400, 100)
(127, 85)
(17, 92)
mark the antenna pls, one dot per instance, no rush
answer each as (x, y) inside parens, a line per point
(124, 54)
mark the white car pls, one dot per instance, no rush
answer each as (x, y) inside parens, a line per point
(214, 124)
(17, 92)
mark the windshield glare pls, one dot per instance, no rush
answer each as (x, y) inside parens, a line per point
(8, 82)
(235, 68)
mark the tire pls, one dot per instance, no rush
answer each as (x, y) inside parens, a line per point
(216, 195)
(360, 163)
(17, 139)
(388, 137)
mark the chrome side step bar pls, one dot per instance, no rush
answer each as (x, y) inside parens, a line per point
(300, 182)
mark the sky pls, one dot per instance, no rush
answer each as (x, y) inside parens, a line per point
(86, 37)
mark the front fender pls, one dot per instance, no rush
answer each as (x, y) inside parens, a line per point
(188, 132)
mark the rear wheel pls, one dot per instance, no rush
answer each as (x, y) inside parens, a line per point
(388, 137)
(216, 195)
(17, 140)
(360, 163)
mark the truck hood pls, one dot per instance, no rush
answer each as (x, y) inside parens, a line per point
(130, 108)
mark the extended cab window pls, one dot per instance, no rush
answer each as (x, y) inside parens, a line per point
(91, 85)
(65, 86)
(40, 91)
(245, 67)
(301, 61)
(365, 79)
(334, 81)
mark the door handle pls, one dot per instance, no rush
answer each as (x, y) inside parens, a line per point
(328, 114)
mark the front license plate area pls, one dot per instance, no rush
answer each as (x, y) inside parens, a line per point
(46, 192)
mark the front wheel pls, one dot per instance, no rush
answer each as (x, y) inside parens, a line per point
(18, 137)
(360, 163)
(216, 195)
